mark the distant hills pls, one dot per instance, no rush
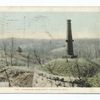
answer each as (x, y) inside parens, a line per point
(82, 47)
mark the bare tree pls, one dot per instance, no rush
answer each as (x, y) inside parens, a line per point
(5, 52)
(28, 60)
(51, 67)
(38, 58)
(7, 76)
(12, 50)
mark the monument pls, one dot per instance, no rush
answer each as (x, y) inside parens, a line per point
(69, 41)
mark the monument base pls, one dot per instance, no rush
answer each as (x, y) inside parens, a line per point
(70, 56)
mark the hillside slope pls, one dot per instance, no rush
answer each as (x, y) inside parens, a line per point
(63, 67)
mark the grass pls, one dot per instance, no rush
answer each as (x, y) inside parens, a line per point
(62, 67)
(87, 72)
(95, 80)
(96, 60)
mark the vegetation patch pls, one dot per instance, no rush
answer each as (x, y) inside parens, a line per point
(72, 67)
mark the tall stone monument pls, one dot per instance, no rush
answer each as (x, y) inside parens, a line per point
(69, 41)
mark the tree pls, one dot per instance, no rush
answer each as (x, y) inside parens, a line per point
(7, 76)
(12, 50)
(5, 52)
(19, 49)
(28, 60)
(38, 58)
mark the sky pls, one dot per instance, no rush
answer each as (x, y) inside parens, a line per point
(49, 25)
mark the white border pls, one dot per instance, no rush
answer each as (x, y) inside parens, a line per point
(49, 8)
(49, 2)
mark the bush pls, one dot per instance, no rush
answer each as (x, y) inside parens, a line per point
(19, 50)
(95, 80)
(81, 83)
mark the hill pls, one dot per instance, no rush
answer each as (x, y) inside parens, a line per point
(73, 67)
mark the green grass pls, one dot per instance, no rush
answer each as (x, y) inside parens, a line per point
(95, 80)
(62, 67)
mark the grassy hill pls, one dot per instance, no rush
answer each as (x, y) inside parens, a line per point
(73, 67)
(85, 71)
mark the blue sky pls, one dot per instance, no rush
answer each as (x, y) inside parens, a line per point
(49, 24)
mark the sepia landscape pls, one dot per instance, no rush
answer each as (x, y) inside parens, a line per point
(50, 49)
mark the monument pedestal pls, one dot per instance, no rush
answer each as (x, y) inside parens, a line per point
(70, 56)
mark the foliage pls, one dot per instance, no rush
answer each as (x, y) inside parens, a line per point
(95, 80)
(77, 68)
(19, 50)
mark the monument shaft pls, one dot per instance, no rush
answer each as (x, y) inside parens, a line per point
(69, 40)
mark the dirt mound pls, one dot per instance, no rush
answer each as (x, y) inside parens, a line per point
(17, 77)
(23, 80)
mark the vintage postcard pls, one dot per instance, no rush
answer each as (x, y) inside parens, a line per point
(50, 49)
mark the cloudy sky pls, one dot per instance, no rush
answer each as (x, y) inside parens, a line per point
(49, 25)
